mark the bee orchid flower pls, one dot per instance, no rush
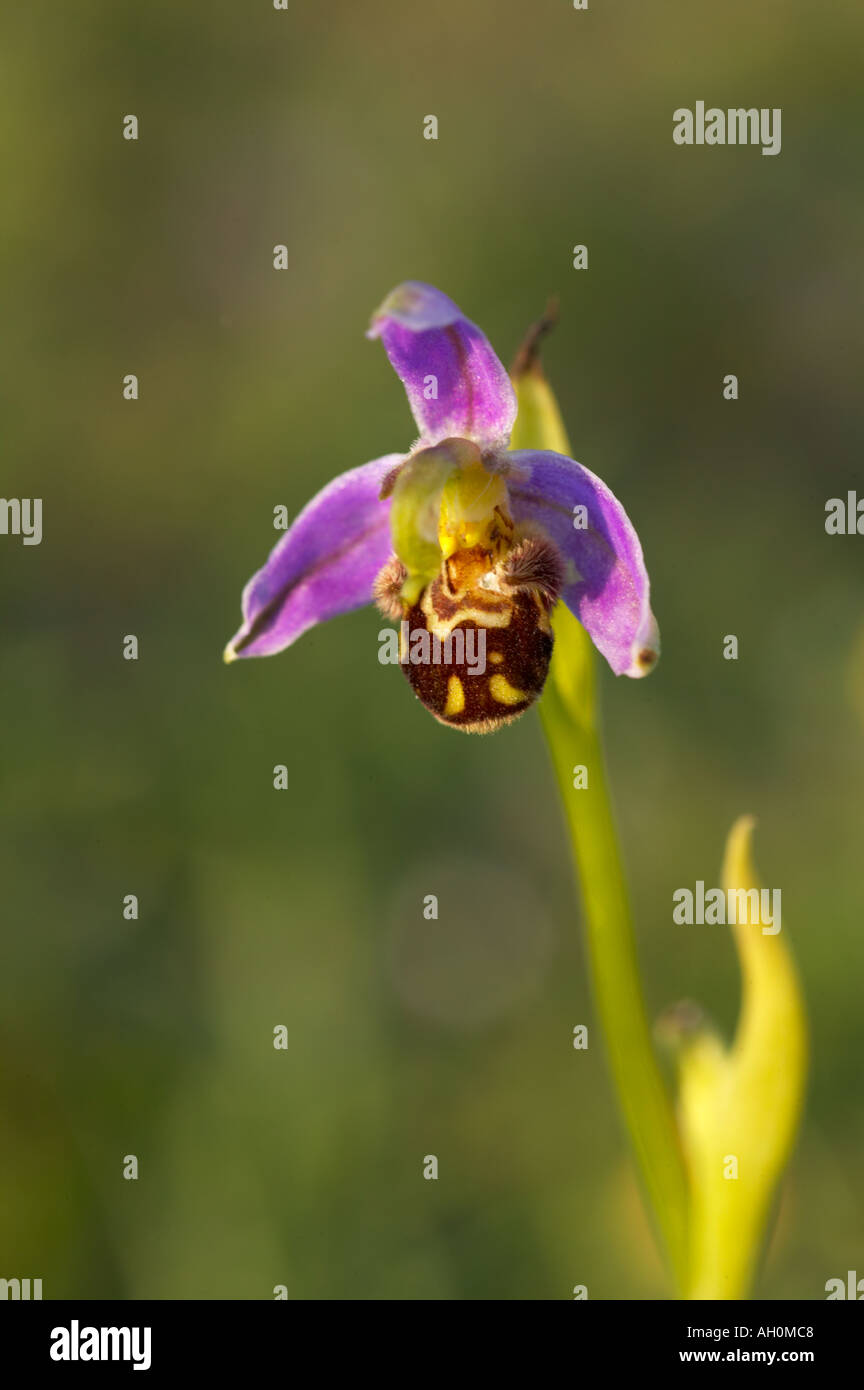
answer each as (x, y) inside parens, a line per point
(459, 533)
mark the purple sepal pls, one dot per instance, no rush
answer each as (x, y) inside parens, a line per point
(455, 384)
(324, 564)
(607, 586)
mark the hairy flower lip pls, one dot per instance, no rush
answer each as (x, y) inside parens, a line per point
(327, 562)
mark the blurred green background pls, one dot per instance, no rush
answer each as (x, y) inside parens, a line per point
(304, 908)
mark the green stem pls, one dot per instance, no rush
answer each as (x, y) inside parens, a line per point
(568, 712)
(570, 719)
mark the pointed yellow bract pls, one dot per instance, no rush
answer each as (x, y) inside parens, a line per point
(739, 1108)
(538, 423)
(710, 1176)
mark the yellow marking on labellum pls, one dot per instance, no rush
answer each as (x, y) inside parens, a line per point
(522, 639)
(504, 693)
(498, 613)
(455, 697)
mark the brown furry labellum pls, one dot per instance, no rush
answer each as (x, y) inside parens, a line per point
(476, 646)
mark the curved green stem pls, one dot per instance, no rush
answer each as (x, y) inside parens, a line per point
(568, 710)
(712, 1172)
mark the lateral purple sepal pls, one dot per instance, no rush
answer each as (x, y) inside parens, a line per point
(607, 587)
(324, 565)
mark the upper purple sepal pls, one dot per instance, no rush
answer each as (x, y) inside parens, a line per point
(455, 384)
(607, 585)
(324, 565)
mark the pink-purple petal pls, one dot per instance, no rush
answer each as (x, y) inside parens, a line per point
(607, 586)
(324, 564)
(455, 384)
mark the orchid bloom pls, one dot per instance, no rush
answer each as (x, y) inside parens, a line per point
(460, 533)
